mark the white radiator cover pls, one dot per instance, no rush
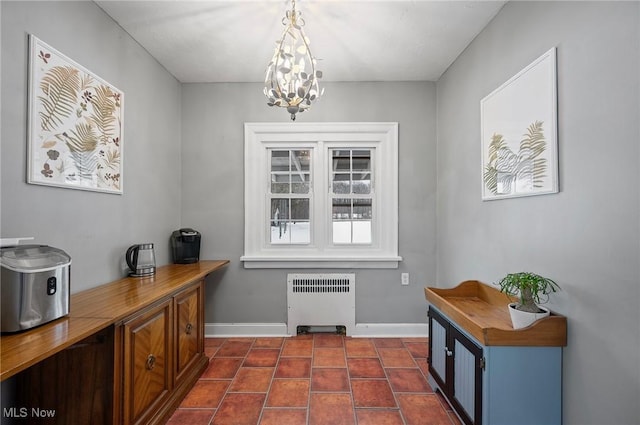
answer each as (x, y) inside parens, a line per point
(321, 299)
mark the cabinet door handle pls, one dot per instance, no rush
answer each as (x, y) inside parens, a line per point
(188, 328)
(448, 352)
(151, 362)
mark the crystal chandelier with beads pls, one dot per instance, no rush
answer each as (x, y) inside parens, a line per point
(292, 78)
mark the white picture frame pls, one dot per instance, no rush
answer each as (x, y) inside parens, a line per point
(75, 127)
(519, 133)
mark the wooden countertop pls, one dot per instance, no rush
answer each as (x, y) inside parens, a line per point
(119, 299)
(482, 311)
(93, 310)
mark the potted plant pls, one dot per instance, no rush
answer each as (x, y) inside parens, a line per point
(531, 289)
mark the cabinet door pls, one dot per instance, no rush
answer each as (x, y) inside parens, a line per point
(466, 377)
(147, 363)
(455, 363)
(189, 328)
(438, 350)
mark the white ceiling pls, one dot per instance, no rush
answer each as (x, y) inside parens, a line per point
(355, 40)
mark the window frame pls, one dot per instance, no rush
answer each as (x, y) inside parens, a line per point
(320, 139)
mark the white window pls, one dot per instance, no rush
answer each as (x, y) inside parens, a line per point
(289, 196)
(321, 195)
(351, 196)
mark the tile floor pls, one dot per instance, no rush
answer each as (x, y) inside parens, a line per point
(316, 379)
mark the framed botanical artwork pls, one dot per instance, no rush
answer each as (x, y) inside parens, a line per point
(75, 133)
(519, 133)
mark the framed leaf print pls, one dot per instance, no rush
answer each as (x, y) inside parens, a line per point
(519, 133)
(75, 124)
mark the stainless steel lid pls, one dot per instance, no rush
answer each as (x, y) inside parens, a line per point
(33, 258)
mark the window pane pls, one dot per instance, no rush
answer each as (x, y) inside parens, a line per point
(351, 171)
(279, 209)
(341, 232)
(280, 183)
(361, 183)
(362, 208)
(289, 217)
(300, 182)
(280, 160)
(341, 183)
(352, 221)
(361, 160)
(341, 221)
(362, 214)
(279, 221)
(301, 160)
(300, 188)
(290, 166)
(341, 160)
(299, 209)
(280, 188)
(362, 231)
(300, 232)
(289, 221)
(341, 209)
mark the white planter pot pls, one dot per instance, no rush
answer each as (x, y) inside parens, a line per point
(522, 319)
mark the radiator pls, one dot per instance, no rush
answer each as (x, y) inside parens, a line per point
(321, 300)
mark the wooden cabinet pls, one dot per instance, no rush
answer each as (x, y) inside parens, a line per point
(147, 371)
(162, 356)
(73, 387)
(490, 373)
(128, 352)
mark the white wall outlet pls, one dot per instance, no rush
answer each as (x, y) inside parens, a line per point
(404, 279)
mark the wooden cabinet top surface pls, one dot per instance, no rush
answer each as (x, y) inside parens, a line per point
(482, 311)
(95, 309)
(123, 297)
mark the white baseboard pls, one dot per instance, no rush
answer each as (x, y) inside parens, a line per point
(392, 330)
(227, 330)
(370, 330)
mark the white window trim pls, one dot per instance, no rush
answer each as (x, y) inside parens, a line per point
(382, 137)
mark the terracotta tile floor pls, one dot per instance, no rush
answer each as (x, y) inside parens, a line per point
(316, 379)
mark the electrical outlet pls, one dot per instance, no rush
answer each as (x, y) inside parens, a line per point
(404, 279)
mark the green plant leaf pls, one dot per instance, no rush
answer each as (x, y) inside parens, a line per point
(530, 287)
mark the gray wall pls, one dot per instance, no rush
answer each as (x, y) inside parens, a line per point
(94, 228)
(587, 236)
(213, 185)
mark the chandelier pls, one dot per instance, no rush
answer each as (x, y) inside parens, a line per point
(292, 78)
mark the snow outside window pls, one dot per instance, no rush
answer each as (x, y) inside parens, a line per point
(321, 195)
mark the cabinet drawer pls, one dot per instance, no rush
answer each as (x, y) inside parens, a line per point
(189, 331)
(147, 362)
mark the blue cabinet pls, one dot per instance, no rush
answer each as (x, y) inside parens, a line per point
(485, 380)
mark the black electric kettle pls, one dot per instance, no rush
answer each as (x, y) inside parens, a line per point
(141, 259)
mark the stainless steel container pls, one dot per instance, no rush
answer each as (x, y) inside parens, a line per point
(35, 285)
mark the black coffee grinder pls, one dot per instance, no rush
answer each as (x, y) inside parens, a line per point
(185, 245)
